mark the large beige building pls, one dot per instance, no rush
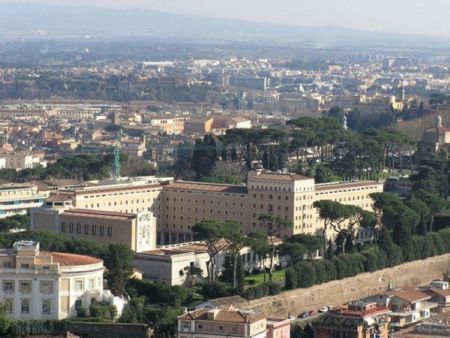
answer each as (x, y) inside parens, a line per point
(136, 231)
(49, 285)
(177, 206)
(290, 196)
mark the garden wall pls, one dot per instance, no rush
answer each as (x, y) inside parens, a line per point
(337, 292)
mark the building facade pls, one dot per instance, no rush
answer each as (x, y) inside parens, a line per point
(211, 323)
(290, 196)
(19, 199)
(135, 231)
(356, 320)
(48, 285)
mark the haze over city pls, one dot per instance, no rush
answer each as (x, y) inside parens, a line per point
(400, 16)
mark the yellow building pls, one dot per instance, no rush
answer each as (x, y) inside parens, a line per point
(290, 196)
(136, 231)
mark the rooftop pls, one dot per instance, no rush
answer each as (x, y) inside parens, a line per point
(99, 213)
(229, 316)
(66, 259)
(353, 184)
(271, 176)
(408, 294)
(225, 188)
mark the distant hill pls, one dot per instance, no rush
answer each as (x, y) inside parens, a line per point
(114, 23)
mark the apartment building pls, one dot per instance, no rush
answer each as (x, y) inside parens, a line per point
(178, 206)
(170, 125)
(198, 126)
(211, 323)
(290, 196)
(49, 285)
(407, 305)
(19, 199)
(184, 204)
(127, 196)
(357, 319)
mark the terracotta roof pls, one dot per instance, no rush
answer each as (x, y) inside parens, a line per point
(280, 177)
(337, 185)
(345, 311)
(59, 197)
(222, 316)
(408, 294)
(232, 189)
(438, 291)
(66, 259)
(112, 188)
(99, 213)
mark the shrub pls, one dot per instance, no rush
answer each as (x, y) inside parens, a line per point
(273, 288)
(103, 310)
(251, 281)
(291, 280)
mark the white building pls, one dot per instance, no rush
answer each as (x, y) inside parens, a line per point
(18, 199)
(50, 285)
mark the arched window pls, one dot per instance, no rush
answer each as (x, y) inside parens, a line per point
(9, 305)
(46, 307)
(25, 306)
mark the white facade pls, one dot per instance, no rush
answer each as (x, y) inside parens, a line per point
(19, 199)
(48, 285)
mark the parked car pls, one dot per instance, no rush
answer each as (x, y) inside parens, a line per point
(323, 309)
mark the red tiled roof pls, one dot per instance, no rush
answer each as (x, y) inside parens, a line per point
(438, 291)
(280, 177)
(232, 189)
(222, 316)
(66, 259)
(337, 185)
(99, 213)
(408, 294)
(112, 188)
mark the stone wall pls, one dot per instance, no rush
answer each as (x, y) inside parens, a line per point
(294, 302)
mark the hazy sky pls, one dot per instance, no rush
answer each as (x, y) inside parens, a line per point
(404, 16)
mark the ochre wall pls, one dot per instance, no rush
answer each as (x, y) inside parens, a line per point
(294, 302)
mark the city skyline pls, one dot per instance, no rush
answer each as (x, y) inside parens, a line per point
(417, 17)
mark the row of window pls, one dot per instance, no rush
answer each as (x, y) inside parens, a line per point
(25, 287)
(278, 188)
(78, 228)
(346, 190)
(122, 193)
(271, 197)
(46, 306)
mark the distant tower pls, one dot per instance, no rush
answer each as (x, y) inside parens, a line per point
(438, 121)
(116, 166)
(402, 93)
(344, 122)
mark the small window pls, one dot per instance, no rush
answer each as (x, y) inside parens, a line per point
(7, 265)
(25, 266)
(79, 285)
(94, 230)
(25, 287)
(25, 307)
(109, 231)
(86, 229)
(63, 227)
(102, 230)
(46, 307)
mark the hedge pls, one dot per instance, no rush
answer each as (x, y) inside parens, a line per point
(308, 273)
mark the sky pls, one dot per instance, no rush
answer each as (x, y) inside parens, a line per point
(428, 17)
